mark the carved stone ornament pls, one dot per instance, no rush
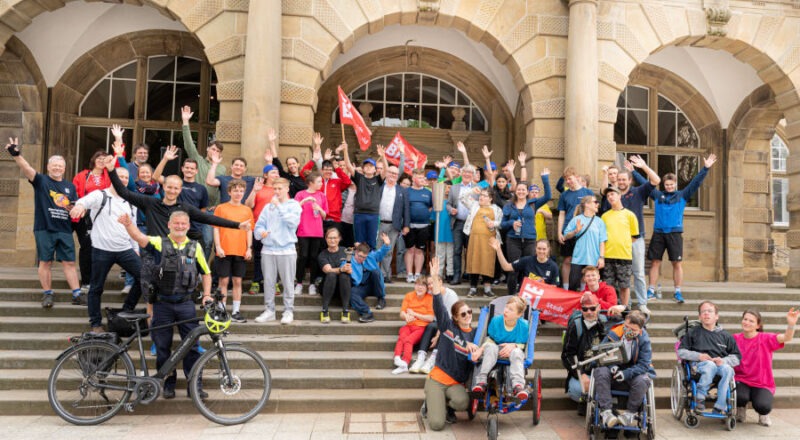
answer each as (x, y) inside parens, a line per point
(458, 119)
(365, 108)
(718, 14)
(428, 10)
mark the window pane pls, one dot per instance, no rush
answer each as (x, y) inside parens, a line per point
(411, 92)
(159, 101)
(687, 168)
(478, 122)
(429, 117)
(621, 100)
(187, 94)
(447, 94)
(462, 99)
(213, 107)
(377, 112)
(664, 104)
(375, 90)
(779, 192)
(161, 69)
(393, 116)
(410, 112)
(96, 104)
(394, 88)
(123, 97)
(128, 72)
(637, 98)
(188, 70)
(446, 117)
(90, 139)
(430, 90)
(619, 127)
(360, 93)
(666, 128)
(637, 127)
(666, 164)
(687, 137)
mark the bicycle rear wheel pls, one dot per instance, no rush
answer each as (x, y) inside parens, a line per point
(231, 400)
(90, 383)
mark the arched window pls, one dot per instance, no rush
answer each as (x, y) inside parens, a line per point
(779, 153)
(780, 183)
(154, 117)
(415, 100)
(652, 126)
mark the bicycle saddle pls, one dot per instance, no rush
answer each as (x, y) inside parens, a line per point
(132, 316)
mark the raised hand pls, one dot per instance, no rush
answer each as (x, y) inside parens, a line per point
(628, 165)
(385, 239)
(328, 154)
(605, 169)
(511, 165)
(440, 164)
(116, 131)
(186, 114)
(171, 153)
(13, 146)
(486, 153)
(341, 147)
(791, 317)
(271, 136)
(447, 159)
(709, 161)
(461, 148)
(214, 155)
(317, 140)
(118, 147)
(494, 243)
(637, 161)
(434, 267)
(545, 171)
(521, 157)
(258, 185)
(109, 161)
(381, 150)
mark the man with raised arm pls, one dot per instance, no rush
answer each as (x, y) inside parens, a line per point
(53, 197)
(369, 186)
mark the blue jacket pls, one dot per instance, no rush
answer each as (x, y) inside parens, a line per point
(512, 214)
(281, 222)
(372, 262)
(401, 214)
(641, 353)
(669, 207)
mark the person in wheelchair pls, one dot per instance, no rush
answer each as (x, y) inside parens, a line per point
(582, 333)
(635, 375)
(713, 351)
(506, 337)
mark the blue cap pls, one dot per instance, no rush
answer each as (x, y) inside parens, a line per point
(454, 164)
(369, 160)
(494, 166)
(432, 175)
(533, 187)
(268, 168)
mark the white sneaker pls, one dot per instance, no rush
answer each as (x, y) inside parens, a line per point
(643, 308)
(410, 278)
(416, 367)
(266, 316)
(398, 362)
(400, 370)
(85, 289)
(287, 318)
(429, 364)
(126, 290)
(627, 419)
(298, 288)
(741, 414)
(609, 419)
(764, 420)
(312, 289)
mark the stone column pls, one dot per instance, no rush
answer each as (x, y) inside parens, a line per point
(581, 116)
(261, 101)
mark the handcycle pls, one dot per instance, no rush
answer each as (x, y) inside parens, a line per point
(95, 378)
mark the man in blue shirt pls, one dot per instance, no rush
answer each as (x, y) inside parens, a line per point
(417, 236)
(367, 278)
(668, 225)
(567, 203)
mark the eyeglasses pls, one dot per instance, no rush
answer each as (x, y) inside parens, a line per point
(595, 202)
(589, 309)
(467, 313)
(707, 311)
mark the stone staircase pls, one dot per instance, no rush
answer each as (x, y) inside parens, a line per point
(334, 367)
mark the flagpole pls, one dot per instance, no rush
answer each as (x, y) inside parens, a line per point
(342, 124)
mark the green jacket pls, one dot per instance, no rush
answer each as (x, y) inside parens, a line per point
(203, 165)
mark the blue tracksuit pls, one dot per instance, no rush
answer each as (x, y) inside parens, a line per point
(669, 206)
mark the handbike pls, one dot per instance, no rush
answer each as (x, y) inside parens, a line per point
(96, 378)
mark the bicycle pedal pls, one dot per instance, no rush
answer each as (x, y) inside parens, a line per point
(129, 407)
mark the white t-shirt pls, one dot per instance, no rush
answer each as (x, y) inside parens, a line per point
(108, 234)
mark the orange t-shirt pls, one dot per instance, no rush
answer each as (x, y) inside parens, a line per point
(422, 306)
(261, 199)
(443, 378)
(233, 241)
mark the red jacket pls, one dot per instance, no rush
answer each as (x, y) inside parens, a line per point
(605, 294)
(84, 183)
(333, 189)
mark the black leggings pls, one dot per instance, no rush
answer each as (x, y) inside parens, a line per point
(82, 231)
(332, 283)
(761, 398)
(308, 249)
(515, 249)
(427, 336)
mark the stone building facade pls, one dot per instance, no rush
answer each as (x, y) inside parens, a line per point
(574, 83)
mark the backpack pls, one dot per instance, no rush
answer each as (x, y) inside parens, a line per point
(107, 200)
(576, 315)
(170, 272)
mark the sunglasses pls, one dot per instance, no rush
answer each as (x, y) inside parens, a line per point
(467, 313)
(589, 309)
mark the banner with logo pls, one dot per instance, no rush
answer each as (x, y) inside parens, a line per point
(393, 153)
(554, 303)
(350, 116)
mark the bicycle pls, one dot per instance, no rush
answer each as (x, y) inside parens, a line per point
(95, 378)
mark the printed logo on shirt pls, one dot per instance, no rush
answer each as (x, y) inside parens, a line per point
(59, 199)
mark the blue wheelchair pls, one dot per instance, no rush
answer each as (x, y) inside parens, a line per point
(683, 389)
(607, 354)
(499, 397)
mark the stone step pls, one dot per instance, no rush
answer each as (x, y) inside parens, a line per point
(34, 402)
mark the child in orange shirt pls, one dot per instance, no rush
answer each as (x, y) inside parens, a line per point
(234, 246)
(417, 312)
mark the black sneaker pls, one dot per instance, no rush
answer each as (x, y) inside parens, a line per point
(168, 394)
(381, 304)
(237, 317)
(79, 300)
(202, 394)
(451, 416)
(582, 407)
(366, 318)
(47, 301)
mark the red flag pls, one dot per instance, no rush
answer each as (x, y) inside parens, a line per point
(350, 116)
(393, 153)
(555, 304)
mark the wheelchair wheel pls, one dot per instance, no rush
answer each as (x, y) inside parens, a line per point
(491, 427)
(472, 408)
(677, 392)
(730, 423)
(590, 408)
(651, 412)
(536, 396)
(691, 421)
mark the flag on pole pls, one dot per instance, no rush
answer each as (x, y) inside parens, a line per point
(350, 116)
(554, 303)
(393, 153)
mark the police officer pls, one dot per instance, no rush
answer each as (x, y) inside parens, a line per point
(179, 261)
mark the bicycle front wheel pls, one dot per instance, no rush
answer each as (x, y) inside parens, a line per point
(90, 384)
(235, 399)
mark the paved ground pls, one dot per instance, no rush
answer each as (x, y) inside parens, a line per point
(389, 426)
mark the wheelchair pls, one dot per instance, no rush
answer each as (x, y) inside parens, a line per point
(683, 388)
(499, 397)
(608, 354)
